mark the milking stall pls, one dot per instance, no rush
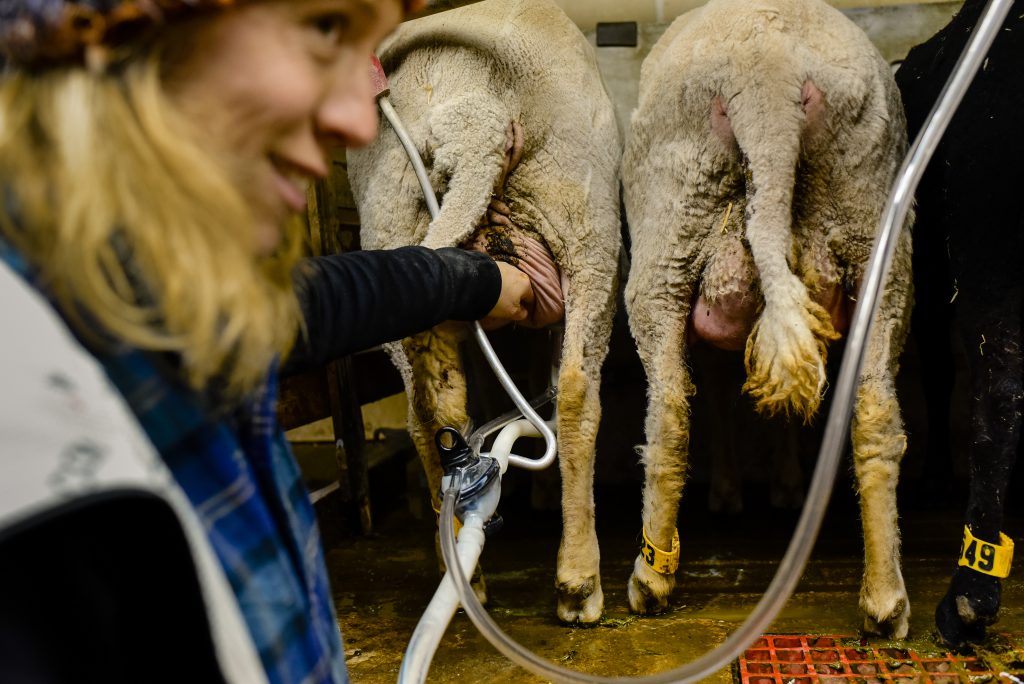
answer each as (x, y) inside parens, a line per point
(760, 422)
(770, 503)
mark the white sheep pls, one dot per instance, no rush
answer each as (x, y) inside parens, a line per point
(766, 138)
(470, 84)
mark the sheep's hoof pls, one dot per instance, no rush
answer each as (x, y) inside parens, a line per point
(648, 591)
(479, 585)
(580, 602)
(970, 605)
(954, 631)
(889, 617)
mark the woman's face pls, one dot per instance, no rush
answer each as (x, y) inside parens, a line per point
(271, 85)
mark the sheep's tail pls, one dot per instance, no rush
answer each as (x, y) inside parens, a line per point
(786, 350)
(468, 139)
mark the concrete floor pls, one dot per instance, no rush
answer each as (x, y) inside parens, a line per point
(383, 583)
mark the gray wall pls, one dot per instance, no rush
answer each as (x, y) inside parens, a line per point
(893, 28)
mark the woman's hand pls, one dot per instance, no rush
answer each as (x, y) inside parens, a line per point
(515, 301)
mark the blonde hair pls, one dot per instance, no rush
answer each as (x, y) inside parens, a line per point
(140, 234)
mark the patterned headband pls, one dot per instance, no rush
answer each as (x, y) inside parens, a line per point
(40, 32)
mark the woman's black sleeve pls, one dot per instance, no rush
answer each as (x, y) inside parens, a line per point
(361, 299)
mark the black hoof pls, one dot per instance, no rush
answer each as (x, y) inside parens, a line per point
(956, 633)
(970, 605)
(976, 596)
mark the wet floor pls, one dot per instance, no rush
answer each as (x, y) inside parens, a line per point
(383, 583)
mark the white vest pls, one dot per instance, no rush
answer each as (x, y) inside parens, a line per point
(65, 432)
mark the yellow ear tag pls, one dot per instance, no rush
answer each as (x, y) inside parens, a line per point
(985, 557)
(663, 562)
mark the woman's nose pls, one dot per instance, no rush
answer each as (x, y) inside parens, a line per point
(349, 111)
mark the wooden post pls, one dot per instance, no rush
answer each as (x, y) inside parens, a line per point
(334, 229)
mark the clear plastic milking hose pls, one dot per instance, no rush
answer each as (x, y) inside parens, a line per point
(837, 426)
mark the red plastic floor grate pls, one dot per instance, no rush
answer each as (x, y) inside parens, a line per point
(802, 659)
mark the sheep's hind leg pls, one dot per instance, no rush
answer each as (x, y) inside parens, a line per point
(587, 330)
(992, 334)
(879, 442)
(662, 349)
(437, 399)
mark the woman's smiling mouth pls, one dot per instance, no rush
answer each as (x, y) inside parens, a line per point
(292, 183)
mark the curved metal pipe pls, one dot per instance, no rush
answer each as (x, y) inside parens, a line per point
(414, 155)
(476, 439)
(551, 446)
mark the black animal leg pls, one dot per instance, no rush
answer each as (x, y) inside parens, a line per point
(991, 327)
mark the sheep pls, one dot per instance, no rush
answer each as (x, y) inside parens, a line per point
(760, 156)
(507, 88)
(972, 246)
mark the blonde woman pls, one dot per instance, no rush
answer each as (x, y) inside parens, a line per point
(153, 156)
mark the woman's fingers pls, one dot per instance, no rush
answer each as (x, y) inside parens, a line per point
(516, 299)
